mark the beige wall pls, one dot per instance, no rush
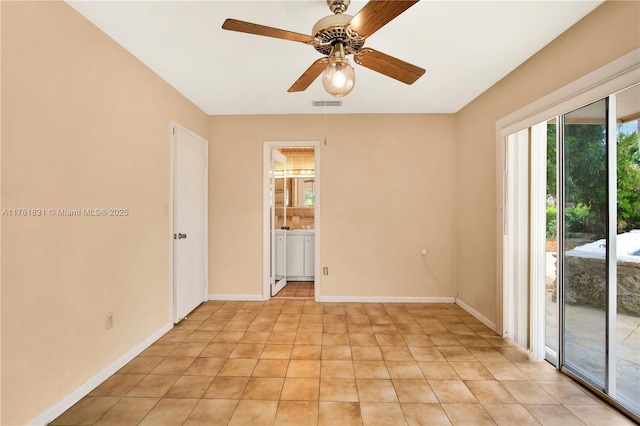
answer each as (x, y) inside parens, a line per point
(608, 33)
(85, 125)
(387, 190)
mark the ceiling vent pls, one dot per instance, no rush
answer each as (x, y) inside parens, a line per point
(326, 103)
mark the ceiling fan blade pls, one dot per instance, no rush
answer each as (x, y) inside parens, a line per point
(248, 27)
(388, 65)
(309, 75)
(376, 14)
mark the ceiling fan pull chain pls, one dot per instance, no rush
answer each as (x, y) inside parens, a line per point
(325, 124)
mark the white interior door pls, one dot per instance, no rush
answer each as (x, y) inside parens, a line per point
(278, 210)
(189, 222)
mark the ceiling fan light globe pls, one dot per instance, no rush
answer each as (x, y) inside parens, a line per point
(339, 78)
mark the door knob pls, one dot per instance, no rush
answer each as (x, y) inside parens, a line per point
(182, 236)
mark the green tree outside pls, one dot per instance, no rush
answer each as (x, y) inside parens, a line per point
(585, 179)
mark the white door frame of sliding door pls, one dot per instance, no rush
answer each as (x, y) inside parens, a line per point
(610, 78)
(602, 83)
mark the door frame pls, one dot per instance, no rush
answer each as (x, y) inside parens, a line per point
(610, 78)
(266, 212)
(169, 209)
(601, 83)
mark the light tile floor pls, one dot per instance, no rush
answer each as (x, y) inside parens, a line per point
(298, 362)
(297, 289)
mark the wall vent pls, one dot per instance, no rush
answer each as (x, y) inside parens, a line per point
(326, 103)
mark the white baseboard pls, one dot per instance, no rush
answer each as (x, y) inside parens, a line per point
(375, 299)
(65, 403)
(476, 314)
(247, 297)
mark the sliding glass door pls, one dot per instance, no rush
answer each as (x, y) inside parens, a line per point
(582, 289)
(584, 242)
(551, 244)
(598, 235)
(627, 259)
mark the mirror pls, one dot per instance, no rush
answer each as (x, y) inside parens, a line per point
(299, 183)
(300, 191)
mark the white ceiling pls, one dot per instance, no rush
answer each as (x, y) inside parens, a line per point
(465, 46)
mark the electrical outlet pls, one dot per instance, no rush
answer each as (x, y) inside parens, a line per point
(325, 271)
(424, 252)
(108, 320)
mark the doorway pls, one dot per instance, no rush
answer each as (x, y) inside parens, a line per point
(584, 250)
(598, 256)
(188, 221)
(291, 231)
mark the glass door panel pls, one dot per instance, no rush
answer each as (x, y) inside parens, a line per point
(585, 242)
(627, 326)
(551, 254)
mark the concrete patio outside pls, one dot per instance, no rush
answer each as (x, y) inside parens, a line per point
(585, 341)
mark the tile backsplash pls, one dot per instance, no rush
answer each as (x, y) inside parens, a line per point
(297, 218)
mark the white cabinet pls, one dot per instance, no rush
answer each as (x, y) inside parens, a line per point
(299, 260)
(295, 255)
(309, 255)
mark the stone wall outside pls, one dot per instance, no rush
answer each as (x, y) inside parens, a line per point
(586, 283)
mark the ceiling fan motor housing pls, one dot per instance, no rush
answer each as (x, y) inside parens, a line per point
(331, 30)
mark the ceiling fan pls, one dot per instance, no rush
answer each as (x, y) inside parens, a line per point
(339, 35)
